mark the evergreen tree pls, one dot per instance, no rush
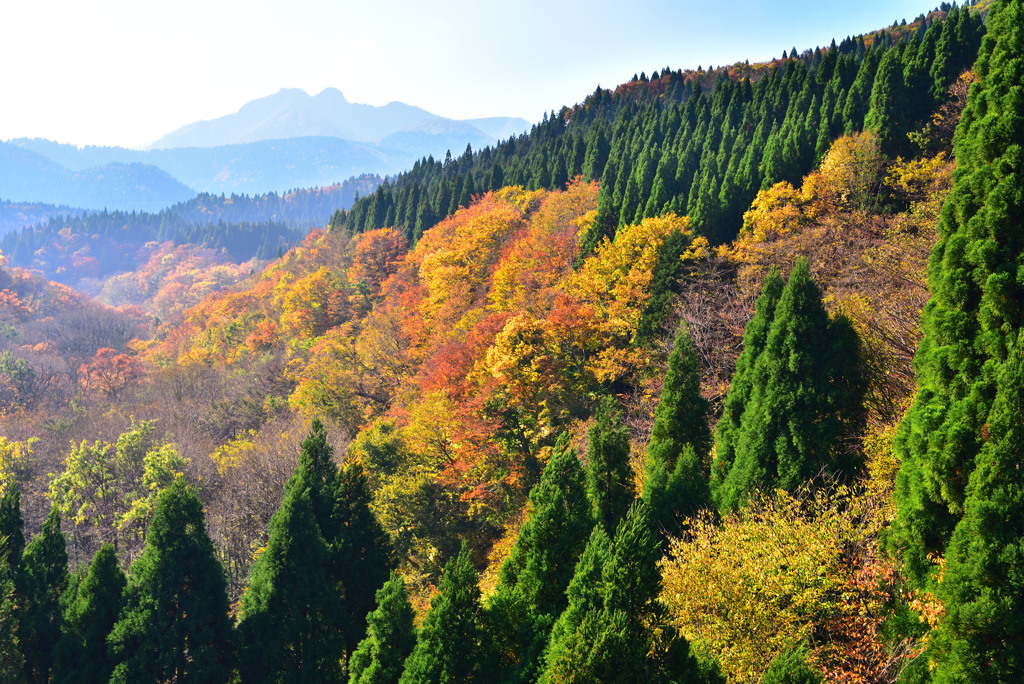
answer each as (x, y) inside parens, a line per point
(45, 570)
(790, 667)
(11, 659)
(887, 114)
(359, 550)
(981, 636)
(92, 607)
(289, 627)
(362, 551)
(531, 592)
(12, 527)
(585, 596)
(175, 623)
(609, 475)
(390, 637)
(608, 632)
(451, 646)
(676, 478)
(803, 387)
(977, 304)
(740, 388)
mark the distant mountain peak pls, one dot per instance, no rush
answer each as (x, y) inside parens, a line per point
(294, 113)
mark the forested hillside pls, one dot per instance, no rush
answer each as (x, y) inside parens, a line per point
(714, 377)
(84, 249)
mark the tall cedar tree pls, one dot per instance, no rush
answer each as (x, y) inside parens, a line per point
(289, 630)
(609, 475)
(531, 592)
(359, 550)
(676, 479)
(451, 646)
(175, 624)
(390, 637)
(740, 388)
(889, 105)
(585, 595)
(802, 389)
(977, 303)
(981, 636)
(45, 570)
(91, 609)
(362, 551)
(608, 633)
(11, 660)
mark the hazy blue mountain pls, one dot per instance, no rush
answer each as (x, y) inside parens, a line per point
(291, 113)
(274, 144)
(26, 176)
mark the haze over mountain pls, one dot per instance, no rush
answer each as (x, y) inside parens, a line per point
(277, 143)
(291, 113)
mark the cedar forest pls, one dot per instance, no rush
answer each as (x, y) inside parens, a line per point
(715, 377)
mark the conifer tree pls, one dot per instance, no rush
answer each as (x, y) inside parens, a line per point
(676, 474)
(174, 625)
(981, 636)
(451, 647)
(45, 570)
(755, 336)
(888, 105)
(977, 304)
(609, 475)
(361, 551)
(543, 560)
(584, 596)
(390, 637)
(92, 607)
(607, 633)
(289, 627)
(11, 659)
(790, 667)
(803, 387)
(12, 527)
(531, 592)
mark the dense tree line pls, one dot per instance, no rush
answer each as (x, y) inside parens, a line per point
(685, 143)
(99, 244)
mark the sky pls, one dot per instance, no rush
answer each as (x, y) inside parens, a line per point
(126, 72)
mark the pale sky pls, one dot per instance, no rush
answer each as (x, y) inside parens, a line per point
(125, 72)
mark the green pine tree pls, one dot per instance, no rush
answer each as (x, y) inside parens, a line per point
(175, 623)
(289, 628)
(981, 636)
(11, 659)
(888, 105)
(740, 388)
(390, 637)
(451, 646)
(676, 473)
(584, 596)
(361, 551)
(803, 388)
(92, 607)
(609, 632)
(531, 591)
(977, 304)
(45, 570)
(790, 667)
(609, 476)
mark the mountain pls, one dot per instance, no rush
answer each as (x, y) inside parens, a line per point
(274, 144)
(291, 113)
(26, 175)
